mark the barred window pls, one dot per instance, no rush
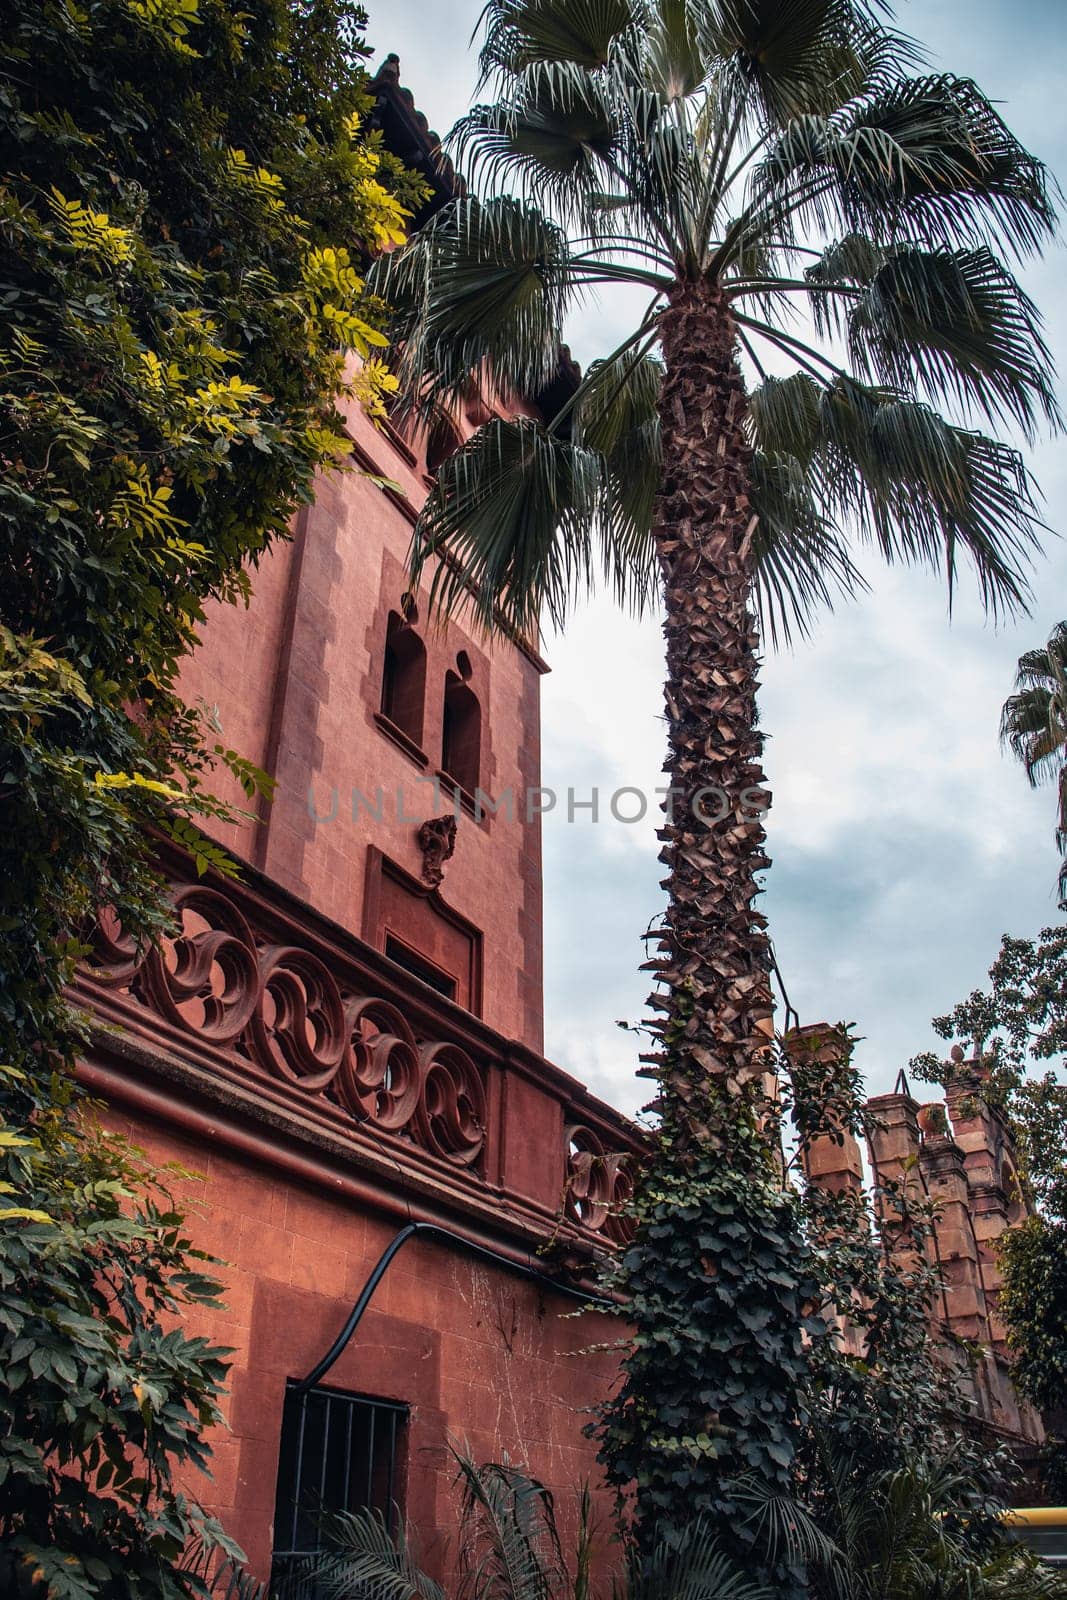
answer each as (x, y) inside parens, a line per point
(339, 1452)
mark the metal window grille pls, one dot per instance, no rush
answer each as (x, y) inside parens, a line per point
(339, 1452)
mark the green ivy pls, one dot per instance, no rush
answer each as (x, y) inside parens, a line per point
(722, 1291)
(737, 1282)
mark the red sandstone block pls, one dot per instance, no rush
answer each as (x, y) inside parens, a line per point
(457, 1401)
(321, 1218)
(257, 1479)
(238, 1295)
(319, 1268)
(409, 1371)
(242, 1192)
(376, 1235)
(409, 1297)
(254, 1407)
(215, 1230)
(265, 1250)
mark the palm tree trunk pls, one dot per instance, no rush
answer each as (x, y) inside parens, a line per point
(715, 1014)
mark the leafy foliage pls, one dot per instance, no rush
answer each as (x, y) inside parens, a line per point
(103, 1394)
(909, 1531)
(186, 204)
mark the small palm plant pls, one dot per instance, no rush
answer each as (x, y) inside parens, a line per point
(1033, 725)
(509, 1548)
(916, 1532)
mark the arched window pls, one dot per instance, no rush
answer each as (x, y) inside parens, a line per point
(404, 677)
(461, 735)
(444, 440)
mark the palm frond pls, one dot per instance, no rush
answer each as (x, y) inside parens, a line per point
(510, 1547)
(483, 288)
(852, 260)
(1035, 735)
(953, 323)
(363, 1558)
(580, 32)
(896, 474)
(926, 492)
(1033, 721)
(617, 416)
(785, 415)
(783, 59)
(512, 520)
(784, 1528)
(802, 563)
(551, 140)
(927, 161)
(673, 61)
(696, 1568)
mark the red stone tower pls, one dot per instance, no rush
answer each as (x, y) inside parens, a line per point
(345, 1041)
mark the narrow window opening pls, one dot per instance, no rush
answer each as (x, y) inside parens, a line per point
(420, 967)
(461, 734)
(339, 1452)
(404, 677)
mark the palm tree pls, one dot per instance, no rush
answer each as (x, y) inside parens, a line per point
(791, 190)
(1033, 725)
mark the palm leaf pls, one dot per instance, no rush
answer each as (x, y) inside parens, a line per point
(1036, 736)
(617, 416)
(955, 324)
(893, 472)
(782, 1527)
(696, 1568)
(552, 140)
(510, 1548)
(926, 492)
(483, 288)
(927, 161)
(363, 1558)
(802, 564)
(783, 59)
(580, 32)
(516, 514)
(673, 63)
(1033, 725)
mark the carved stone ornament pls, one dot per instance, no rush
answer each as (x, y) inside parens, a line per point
(437, 841)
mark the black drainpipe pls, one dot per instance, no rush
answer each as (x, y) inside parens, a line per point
(355, 1316)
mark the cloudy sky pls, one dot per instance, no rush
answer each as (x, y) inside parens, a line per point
(904, 843)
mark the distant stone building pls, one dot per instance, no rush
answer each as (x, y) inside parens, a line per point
(960, 1155)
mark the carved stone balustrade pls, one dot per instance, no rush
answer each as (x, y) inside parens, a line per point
(281, 1023)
